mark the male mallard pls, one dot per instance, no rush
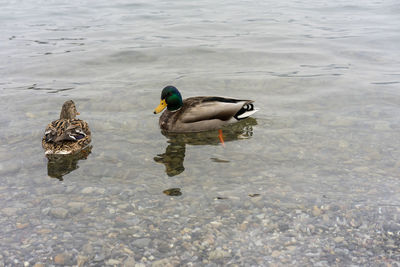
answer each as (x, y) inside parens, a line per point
(66, 135)
(200, 113)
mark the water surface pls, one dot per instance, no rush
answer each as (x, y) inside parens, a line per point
(313, 179)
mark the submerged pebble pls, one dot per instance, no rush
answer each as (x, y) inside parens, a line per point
(173, 192)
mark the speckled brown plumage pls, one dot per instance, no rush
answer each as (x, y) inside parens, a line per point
(66, 135)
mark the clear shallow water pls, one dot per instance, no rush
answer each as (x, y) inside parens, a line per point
(322, 152)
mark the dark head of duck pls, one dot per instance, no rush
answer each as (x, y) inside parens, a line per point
(170, 98)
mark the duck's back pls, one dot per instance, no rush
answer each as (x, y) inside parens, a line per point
(66, 136)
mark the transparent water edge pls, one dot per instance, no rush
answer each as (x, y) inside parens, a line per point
(312, 180)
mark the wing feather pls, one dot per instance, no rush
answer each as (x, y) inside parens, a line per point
(209, 108)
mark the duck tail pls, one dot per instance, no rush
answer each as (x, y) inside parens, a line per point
(246, 111)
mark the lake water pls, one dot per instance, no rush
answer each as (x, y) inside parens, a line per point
(313, 179)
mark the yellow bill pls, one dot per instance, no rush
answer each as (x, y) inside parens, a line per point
(161, 106)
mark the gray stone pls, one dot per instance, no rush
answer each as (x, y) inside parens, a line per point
(99, 257)
(88, 249)
(166, 262)
(283, 227)
(130, 261)
(9, 211)
(113, 262)
(59, 213)
(392, 228)
(218, 254)
(141, 242)
(75, 207)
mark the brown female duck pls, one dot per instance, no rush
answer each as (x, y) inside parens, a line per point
(68, 134)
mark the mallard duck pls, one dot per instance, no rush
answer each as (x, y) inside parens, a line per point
(66, 135)
(200, 113)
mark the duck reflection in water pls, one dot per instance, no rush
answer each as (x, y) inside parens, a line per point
(60, 165)
(175, 152)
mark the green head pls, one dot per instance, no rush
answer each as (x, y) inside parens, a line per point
(170, 99)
